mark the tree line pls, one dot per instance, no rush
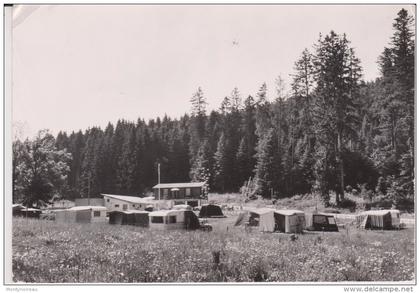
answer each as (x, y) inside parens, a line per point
(332, 132)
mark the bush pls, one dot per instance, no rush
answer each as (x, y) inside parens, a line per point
(348, 204)
(359, 169)
(380, 204)
(405, 204)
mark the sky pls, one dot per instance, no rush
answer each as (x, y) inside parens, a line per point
(79, 66)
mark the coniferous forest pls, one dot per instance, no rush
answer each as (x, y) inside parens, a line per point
(333, 132)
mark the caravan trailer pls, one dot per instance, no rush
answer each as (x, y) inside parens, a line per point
(173, 219)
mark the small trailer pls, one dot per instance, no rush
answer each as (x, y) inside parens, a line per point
(173, 220)
(321, 222)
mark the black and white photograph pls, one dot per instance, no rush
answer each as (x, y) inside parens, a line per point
(210, 144)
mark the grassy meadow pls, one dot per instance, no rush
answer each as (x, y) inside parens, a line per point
(50, 252)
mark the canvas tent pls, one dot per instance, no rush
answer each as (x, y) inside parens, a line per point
(382, 219)
(321, 222)
(263, 218)
(82, 214)
(289, 221)
(173, 219)
(131, 217)
(211, 211)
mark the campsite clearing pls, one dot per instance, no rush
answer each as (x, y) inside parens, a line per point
(47, 251)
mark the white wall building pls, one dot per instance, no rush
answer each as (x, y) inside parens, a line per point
(124, 203)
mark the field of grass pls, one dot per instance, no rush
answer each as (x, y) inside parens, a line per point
(47, 252)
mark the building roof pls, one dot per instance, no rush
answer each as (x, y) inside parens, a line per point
(182, 207)
(131, 212)
(180, 185)
(288, 212)
(164, 213)
(211, 204)
(82, 208)
(261, 211)
(17, 205)
(131, 199)
(377, 213)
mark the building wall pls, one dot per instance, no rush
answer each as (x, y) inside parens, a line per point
(100, 218)
(84, 216)
(166, 193)
(113, 204)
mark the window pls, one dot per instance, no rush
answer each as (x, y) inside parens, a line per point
(117, 205)
(331, 220)
(320, 219)
(172, 219)
(96, 213)
(107, 200)
(165, 192)
(187, 191)
(134, 205)
(125, 206)
(157, 220)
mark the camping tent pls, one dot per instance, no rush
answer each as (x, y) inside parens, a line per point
(395, 215)
(289, 221)
(262, 218)
(130, 217)
(382, 219)
(81, 214)
(321, 222)
(211, 211)
(173, 219)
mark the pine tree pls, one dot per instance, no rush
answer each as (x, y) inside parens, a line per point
(263, 112)
(202, 167)
(303, 79)
(264, 169)
(249, 134)
(337, 73)
(89, 182)
(397, 104)
(220, 165)
(197, 122)
(76, 147)
(105, 167)
(242, 161)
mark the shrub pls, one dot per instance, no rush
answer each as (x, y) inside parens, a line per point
(348, 204)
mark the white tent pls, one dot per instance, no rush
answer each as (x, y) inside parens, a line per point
(290, 221)
(263, 218)
(379, 219)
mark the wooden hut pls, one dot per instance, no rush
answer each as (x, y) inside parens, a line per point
(190, 193)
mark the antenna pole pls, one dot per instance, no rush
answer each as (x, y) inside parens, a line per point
(159, 184)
